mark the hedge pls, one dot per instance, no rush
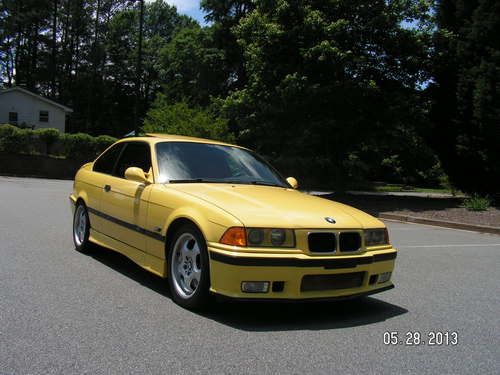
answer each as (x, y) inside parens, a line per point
(80, 146)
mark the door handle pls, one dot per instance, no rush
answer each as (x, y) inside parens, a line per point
(107, 188)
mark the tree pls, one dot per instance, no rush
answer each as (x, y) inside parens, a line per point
(226, 15)
(192, 69)
(332, 81)
(83, 53)
(465, 114)
(180, 118)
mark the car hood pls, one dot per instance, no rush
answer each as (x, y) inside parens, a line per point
(266, 206)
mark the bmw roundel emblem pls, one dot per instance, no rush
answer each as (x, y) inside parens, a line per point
(330, 220)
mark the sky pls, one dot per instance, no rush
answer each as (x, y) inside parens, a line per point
(190, 8)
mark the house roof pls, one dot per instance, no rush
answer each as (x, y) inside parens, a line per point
(39, 97)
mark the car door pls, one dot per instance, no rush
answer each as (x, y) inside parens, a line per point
(124, 203)
(102, 172)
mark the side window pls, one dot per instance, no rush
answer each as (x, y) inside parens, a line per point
(106, 162)
(136, 154)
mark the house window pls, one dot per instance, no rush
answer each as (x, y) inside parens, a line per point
(44, 116)
(13, 118)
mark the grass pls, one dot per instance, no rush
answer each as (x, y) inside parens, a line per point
(399, 188)
(390, 188)
(476, 203)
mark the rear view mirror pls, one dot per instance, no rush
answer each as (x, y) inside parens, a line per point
(292, 182)
(136, 174)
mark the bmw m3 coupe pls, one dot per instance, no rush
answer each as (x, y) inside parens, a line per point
(217, 219)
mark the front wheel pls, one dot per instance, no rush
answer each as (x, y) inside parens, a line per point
(189, 277)
(81, 229)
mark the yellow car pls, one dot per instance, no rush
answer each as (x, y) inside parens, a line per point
(215, 218)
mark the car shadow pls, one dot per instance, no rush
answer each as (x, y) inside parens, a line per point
(275, 316)
(125, 266)
(266, 316)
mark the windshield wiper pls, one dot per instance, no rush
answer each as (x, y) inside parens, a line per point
(264, 183)
(203, 180)
(189, 180)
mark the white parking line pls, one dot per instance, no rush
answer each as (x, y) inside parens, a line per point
(454, 245)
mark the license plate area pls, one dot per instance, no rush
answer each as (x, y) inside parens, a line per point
(315, 283)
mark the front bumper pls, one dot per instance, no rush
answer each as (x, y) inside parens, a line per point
(228, 269)
(72, 203)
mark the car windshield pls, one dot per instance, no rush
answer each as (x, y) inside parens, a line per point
(184, 162)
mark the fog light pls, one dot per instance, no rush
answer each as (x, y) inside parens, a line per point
(383, 277)
(255, 286)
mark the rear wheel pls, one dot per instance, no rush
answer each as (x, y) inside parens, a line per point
(81, 228)
(189, 277)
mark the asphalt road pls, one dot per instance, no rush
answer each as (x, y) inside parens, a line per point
(62, 312)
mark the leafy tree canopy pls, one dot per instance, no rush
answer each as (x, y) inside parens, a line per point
(179, 118)
(465, 113)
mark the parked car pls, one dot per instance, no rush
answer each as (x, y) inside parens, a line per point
(215, 218)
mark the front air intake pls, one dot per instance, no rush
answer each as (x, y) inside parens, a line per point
(316, 283)
(322, 242)
(349, 241)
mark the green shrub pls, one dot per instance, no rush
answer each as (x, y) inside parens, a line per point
(79, 146)
(6, 131)
(48, 136)
(477, 203)
(15, 140)
(102, 142)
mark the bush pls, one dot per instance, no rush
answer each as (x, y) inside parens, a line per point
(102, 142)
(48, 136)
(15, 140)
(79, 146)
(477, 203)
(6, 131)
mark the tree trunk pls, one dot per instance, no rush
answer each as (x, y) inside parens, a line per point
(54, 51)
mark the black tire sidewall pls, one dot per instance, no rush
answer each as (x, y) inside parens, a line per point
(201, 296)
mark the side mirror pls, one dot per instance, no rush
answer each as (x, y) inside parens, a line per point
(292, 182)
(136, 174)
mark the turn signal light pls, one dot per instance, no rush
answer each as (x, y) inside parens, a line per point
(234, 236)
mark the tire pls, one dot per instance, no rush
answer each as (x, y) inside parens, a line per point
(189, 271)
(81, 229)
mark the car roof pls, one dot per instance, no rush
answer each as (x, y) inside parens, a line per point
(157, 137)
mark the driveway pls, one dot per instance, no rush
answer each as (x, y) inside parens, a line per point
(62, 312)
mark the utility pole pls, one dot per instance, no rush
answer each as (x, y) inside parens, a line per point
(138, 69)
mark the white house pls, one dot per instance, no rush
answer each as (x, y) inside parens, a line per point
(21, 107)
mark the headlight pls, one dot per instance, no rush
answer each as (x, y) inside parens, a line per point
(270, 237)
(376, 237)
(255, 236)
(278, 237)
(259, 237)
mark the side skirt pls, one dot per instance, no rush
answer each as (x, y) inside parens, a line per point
(147, 261)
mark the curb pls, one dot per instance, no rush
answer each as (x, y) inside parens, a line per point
(412, 194)
(441, 223)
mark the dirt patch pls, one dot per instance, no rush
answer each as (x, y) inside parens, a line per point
(449, 209)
